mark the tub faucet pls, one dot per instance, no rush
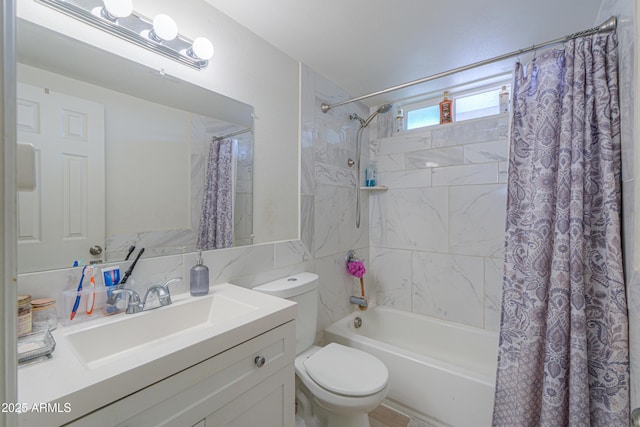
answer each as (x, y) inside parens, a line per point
(359, 301)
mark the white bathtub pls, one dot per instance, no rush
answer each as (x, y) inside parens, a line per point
(440, 371)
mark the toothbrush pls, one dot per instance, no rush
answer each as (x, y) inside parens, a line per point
(130, 270)
(77, 303)
(92, 297)
(131, 249)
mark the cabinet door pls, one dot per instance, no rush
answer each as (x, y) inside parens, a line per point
(269, 404)
(186, 398)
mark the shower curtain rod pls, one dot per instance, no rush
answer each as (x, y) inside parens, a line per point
(607, 26)
(240, 132)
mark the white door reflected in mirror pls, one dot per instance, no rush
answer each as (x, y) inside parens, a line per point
(65, 212)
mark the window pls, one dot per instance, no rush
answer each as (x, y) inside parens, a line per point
(477, 105)
(469, 105)
(426, 116)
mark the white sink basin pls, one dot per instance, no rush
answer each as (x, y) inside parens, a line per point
(128, 333)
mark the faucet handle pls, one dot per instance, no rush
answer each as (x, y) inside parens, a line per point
(133, 300)
(170, 281)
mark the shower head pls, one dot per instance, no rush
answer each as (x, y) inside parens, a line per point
(364, 123)
(384, 108)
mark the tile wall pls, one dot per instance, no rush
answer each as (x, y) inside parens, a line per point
(437, 233)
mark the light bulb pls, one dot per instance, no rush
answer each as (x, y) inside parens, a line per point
(202, 48)
(118, 8)
(164, 27)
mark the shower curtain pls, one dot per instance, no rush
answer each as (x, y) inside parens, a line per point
(216, 219)
(563, 357)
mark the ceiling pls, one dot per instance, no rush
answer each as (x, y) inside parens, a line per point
(368, 45)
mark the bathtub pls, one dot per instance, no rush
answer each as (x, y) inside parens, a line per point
(439, 371)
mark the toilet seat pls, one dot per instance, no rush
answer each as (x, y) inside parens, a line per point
(346, 371)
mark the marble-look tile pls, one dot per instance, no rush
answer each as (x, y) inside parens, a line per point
(334, 175)
(483, 173)
(390, 277)
(349, 236)
(486, 152)
(307, 170)
(336, 285)
(156, 270)
(405, 179)
(290, 253)
(411, 219)
(422, 159)
(326, 221)
(493, 272)
(307, 221)
(477, 221)
(171, 239)
(225, 264)
(405, 142)
(389, 162)
(503, 172)
(117, 244)
(449, 287)
(467, 132)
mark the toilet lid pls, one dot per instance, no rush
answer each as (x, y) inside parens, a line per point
(346, 371)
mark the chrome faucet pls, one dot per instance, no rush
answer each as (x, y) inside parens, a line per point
(161, 291)
(134, 305)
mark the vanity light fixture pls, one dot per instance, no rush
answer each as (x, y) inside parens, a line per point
(164, 28)
(115, 9)
(159, 35)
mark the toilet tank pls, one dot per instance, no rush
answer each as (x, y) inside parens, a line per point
(301, 288)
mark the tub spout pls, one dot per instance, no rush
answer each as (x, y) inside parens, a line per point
(359, 301)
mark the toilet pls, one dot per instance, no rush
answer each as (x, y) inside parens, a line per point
(342, 383)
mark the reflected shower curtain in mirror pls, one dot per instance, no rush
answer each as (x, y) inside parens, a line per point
(563, 357)
(216, 219)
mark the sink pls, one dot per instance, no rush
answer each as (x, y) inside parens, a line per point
(115, 356)
(126, 334)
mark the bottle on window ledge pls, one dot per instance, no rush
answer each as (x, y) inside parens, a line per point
(504, 100)
(400, 120)
(446, 109)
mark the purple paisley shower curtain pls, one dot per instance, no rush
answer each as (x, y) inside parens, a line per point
(563, 357)
(216, 219)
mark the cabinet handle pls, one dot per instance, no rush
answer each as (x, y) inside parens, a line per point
(260, 361)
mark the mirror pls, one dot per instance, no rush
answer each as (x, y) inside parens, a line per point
(132, 162)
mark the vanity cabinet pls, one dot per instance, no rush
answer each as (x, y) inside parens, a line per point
(246, 385)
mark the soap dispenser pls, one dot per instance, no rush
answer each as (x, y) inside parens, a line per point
(199, 279)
